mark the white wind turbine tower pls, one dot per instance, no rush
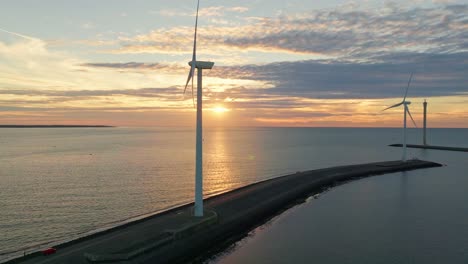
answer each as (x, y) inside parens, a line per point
(406, 110)
(199, 65)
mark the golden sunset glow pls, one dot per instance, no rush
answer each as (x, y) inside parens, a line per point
(306, 67)
(219, 109)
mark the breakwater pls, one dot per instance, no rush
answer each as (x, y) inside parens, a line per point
(175, 236)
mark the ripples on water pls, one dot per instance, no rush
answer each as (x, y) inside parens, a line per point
(58, 183)
(417, 216)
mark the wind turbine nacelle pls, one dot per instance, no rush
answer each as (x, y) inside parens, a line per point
(202, 64)
(407, 102)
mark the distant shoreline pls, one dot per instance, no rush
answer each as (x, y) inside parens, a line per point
(51, 126)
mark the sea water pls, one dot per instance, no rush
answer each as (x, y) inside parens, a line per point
(58, 184)
(417, 216)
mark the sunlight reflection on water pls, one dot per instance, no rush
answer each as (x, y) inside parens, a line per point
(58, 183)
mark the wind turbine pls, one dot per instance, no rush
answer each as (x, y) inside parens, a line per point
(406, 110)
(200, 66)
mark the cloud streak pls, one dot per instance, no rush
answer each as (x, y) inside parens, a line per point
(435, 75)
(18, 35)
(212, 11)
(347, 35)
(361, 61)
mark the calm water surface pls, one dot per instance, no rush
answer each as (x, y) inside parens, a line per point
(58, 184)
(409, 217)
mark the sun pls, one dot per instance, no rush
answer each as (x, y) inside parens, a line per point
(219, 109)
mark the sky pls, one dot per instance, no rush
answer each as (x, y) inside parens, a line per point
(277, 63)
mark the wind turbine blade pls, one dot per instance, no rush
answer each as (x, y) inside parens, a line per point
(190, 76)
(407, 87)
(409, 113)
(193, 96)
(194, 55)
(393, 106)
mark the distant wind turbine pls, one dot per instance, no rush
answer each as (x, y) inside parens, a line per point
(199, 65)
(406, 110)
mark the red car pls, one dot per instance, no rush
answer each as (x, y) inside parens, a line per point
(49, 251)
